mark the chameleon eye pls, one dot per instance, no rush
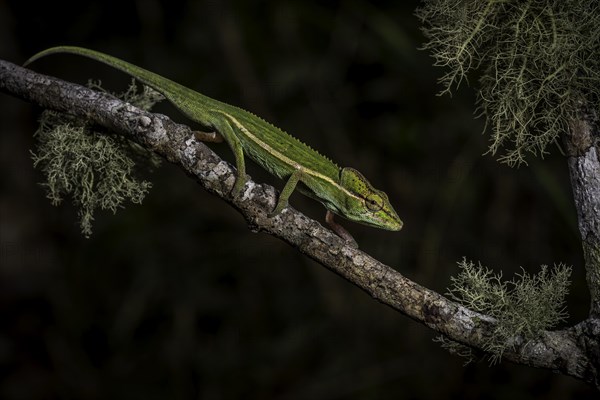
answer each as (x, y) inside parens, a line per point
(374, 202)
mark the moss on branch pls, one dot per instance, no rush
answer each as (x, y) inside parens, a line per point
(523, 307)
(94, 168)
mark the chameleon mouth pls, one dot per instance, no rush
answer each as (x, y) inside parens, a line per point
(392, 222)
(396, 226)
(393, 225)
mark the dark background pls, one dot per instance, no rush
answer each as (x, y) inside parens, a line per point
(176, 298)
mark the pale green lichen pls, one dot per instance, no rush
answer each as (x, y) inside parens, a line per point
(537, 61)
(523, 307)
(96, 169)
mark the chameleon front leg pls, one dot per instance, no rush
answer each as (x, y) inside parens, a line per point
(225, 129)
(282, 202)
(286, 192)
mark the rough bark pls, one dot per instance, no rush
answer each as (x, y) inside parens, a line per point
(573, 351)
(583, 146)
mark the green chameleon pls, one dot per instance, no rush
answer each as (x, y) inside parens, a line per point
(343, 191)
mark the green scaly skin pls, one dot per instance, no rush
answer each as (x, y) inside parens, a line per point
(343, 191)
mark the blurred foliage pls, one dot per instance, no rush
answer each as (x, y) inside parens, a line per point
(538, 64)
(176, 298)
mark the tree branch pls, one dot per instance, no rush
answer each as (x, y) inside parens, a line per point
(583, 146)
(574, 351)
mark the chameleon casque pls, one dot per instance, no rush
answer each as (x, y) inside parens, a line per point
(343, 191)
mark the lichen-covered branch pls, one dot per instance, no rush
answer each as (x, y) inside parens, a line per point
(573, 351)
(92, 168)
(524, 306)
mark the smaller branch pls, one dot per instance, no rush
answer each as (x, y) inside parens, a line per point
(565, 351)
(583, 145)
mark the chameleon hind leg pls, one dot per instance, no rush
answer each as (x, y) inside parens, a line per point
(209, 137)
(225, 130)
(340, 230)
(286, 192)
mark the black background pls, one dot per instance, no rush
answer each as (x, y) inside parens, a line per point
(176, 298)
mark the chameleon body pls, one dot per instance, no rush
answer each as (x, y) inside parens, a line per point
(343, 191)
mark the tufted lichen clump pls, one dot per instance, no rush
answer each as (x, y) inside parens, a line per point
(523, 307)
(94, 168)
(537, 61)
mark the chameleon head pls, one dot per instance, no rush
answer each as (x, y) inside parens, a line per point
(365, 204)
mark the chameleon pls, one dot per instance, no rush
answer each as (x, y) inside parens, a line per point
(343, 191)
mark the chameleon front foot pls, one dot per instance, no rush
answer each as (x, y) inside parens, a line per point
(340, 230)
